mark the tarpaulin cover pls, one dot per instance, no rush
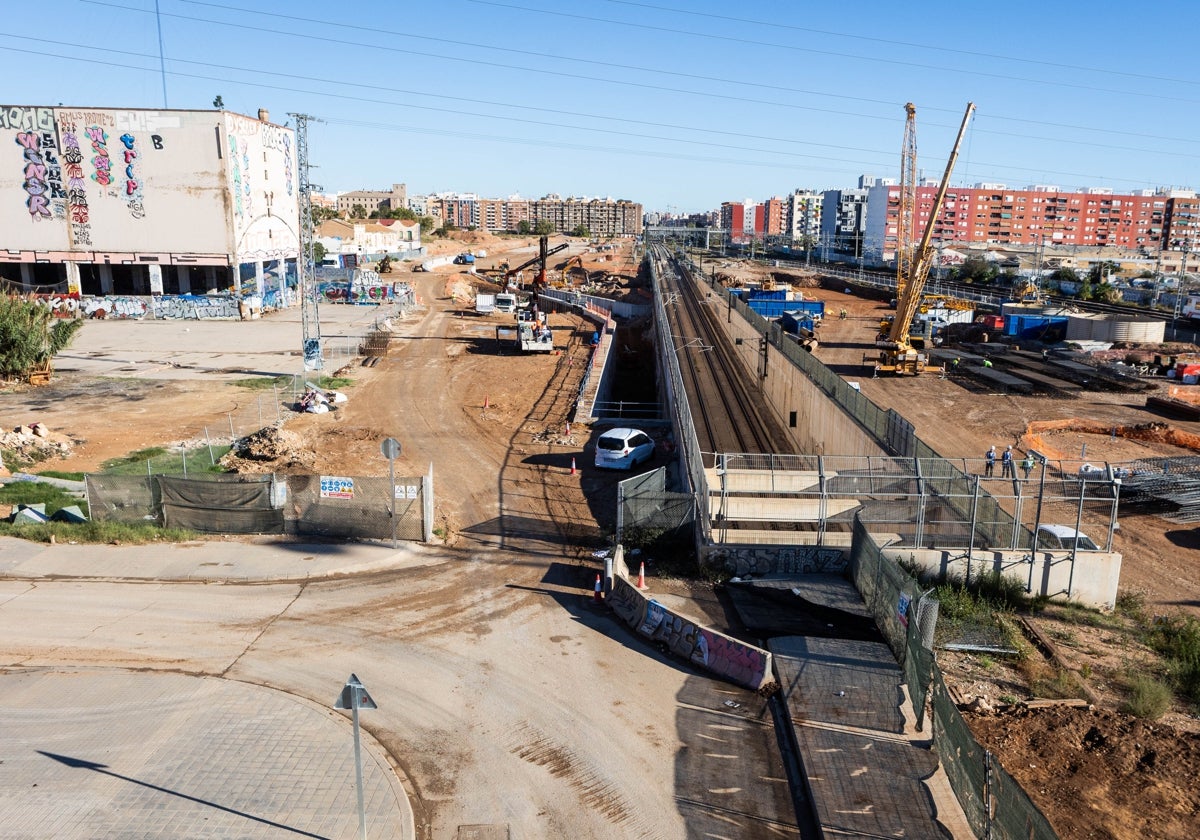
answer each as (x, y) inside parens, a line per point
(242, 506)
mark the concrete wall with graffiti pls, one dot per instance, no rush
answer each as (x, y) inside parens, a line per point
(110, 180)
(100, 185)
(687, 638)
(742, 560)
(260, 165)
(161, 307)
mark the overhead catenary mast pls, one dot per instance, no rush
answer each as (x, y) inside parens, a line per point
(309, 317)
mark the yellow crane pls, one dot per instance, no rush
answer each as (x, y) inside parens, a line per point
(896, 353)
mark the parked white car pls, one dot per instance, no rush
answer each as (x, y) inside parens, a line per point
(623, 449)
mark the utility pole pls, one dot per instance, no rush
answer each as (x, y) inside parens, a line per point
(309, 317)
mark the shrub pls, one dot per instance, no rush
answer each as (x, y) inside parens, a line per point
(1149, 698)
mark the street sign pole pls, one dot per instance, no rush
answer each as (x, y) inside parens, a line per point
(353, 697)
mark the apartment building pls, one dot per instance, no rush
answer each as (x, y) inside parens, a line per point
(601, 216)
(804, 216)
(743, 220)
(991, 214)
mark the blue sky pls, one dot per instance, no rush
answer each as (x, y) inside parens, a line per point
(679, 105)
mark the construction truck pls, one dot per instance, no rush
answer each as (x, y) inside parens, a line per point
(485, 303)
(544, 251)
(896, 351)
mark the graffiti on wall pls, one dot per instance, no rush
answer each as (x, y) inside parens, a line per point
(101, 161)
(116, 306)
(235, 176)
(778, 560)
(60, 305)
(737, 661)
(280, 140)
(112, 258)
(195, 307)
(42, 173)
(77, 204)
(133, 176)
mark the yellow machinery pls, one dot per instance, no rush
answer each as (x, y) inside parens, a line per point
(896, 353)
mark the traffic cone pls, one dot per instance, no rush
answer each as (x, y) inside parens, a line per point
(596, 597)
(572, 466)
(641, 576)
(486, 401)
(568, 428)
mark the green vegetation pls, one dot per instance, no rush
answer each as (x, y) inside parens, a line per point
(318, 253)
(35, 492)
(581, 230)
(110, 533)
(162, 461)
(1148, 699)
(543, 227)
(30, 336)
(1177, 639)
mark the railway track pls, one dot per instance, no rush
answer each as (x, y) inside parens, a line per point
(729, 413)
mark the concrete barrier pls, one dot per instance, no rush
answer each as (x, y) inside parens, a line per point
(685, 637)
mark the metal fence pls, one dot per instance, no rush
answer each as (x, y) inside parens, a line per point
(307, 505)
(644, 503)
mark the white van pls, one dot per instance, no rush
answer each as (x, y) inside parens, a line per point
(506, 303)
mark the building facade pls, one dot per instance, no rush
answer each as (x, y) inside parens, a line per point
(104, 201)
(366, 202)
(602, 217)
(996, 215)
(804, 217)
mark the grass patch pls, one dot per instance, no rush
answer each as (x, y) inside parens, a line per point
(264, 383)
(95, 533)
(1178, 640)
(160, 460)
(1053, 683)
(65, 476)
(1148, 699)
(34, 493)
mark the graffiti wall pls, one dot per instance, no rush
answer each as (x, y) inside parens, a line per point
(77, 183)
(727, 657)
(778, 560)
(265, 204)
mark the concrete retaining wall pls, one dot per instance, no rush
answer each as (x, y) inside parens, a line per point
(742, 560)
(818, 419)
(685, 637)
(1091, 580)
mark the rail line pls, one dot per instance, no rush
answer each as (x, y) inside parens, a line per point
(730, 415)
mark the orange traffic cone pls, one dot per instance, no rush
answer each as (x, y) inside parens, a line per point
(486, 401)
(572, 466)
(641, 576)
(596, 597)
(568, 428)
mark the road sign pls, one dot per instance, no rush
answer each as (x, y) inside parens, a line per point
(354, 696)
(390, 448)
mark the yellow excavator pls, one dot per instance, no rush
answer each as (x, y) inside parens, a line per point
(896, 352)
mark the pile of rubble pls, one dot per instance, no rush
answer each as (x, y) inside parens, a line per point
(269, 450)
(33, 443)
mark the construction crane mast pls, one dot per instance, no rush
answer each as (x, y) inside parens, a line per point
(905, 239)
(897, 355)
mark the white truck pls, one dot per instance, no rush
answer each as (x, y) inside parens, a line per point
(506, 302)
(485, 303)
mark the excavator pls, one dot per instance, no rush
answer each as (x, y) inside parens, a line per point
(544, 251)
(896, 351)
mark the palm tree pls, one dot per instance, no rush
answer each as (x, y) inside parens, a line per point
(30, 337)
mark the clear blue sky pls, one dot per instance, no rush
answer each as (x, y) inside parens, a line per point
(678, 104)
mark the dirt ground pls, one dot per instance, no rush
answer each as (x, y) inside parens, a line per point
(1095, 772)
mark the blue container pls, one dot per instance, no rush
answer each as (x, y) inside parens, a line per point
(1036, 327)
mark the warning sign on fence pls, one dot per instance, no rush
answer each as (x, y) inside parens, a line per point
(337, 487)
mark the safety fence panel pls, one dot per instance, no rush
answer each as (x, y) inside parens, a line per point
(309, 505)
(132, 499)
(221, 504)
(347, 507)
(994, 804)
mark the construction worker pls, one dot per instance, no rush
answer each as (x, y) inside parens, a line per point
(842, 314)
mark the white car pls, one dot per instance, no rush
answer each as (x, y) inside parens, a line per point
(623, 449)
(1060, 537)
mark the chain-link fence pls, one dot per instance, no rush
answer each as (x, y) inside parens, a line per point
(644, 504)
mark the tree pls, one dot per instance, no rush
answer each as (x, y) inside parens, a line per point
(524, 228)
(975, 270)
(30, 337)
(219, 103)
(1100, 272)
(428, 223)
(544, 227)
(582, 231)
(318, 253)
(320, 214)
(358, 212)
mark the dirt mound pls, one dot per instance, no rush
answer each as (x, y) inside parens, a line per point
(269, 450)
(33, 444)
(1097, 773)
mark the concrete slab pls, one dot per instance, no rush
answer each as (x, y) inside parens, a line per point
(752, 509)
(764, 481)
(868, 773)
(751, 536)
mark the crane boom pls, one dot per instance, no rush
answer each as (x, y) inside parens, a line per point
(898, 354)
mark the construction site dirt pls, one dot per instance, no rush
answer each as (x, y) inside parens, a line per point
(512, 484)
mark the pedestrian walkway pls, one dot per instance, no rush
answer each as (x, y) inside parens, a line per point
(112, 753)
(232, 560)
